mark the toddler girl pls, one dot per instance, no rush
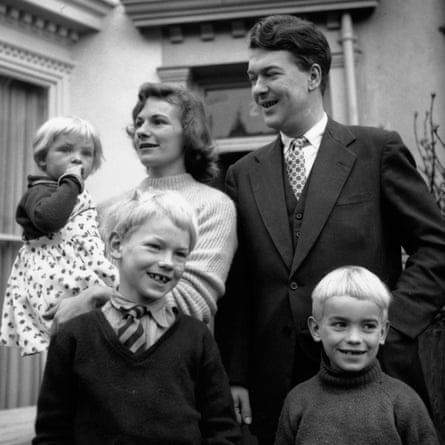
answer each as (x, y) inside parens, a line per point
(62, 253)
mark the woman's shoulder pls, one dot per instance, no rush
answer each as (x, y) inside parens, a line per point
(211, 203)
(210, 194)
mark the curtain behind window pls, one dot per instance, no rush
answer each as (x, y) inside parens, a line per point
(23, 108)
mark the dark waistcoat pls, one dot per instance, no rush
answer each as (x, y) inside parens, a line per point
(295, 209)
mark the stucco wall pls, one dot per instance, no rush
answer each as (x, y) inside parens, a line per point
(402, 62)
(110, 66)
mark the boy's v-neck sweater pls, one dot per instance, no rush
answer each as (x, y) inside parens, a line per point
(367, 408)
(95, 391)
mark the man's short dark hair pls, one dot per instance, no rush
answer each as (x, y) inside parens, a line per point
(300, 37)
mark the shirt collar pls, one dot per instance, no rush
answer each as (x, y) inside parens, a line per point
(313, 135)
(161, 315)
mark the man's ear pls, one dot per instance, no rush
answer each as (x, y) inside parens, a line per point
(314, 77)
(384, 332)
(115, 246)
(314, 328)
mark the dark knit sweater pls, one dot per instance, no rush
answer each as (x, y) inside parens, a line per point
(365, 408)
(95, 391)
(47, 205)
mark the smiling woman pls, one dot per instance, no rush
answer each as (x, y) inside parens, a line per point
(171, 136)
(158, 138)
(174, 120)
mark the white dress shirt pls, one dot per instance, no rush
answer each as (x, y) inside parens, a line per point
(155, 322)
(314, 136)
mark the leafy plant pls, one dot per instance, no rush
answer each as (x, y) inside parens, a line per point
(431, 168)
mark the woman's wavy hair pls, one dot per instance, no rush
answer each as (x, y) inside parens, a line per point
(199, 151)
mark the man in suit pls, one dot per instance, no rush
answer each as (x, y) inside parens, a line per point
(362, 201)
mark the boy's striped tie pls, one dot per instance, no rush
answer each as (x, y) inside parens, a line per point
(131, 334)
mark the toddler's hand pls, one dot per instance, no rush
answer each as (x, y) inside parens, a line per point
(75, 170)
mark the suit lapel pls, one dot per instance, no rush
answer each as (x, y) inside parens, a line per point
(331, 169)
(268, 191)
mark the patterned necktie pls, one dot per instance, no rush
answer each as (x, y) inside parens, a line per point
(296, 171)
(131, 334)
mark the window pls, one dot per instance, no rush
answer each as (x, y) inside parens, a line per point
(236, 121)
(24, 107)
(233, 113)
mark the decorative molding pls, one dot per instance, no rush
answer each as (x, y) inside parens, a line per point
(333, 21)
(175, 34)
(175, 75)
(28, 57)
(207, 32)
(38, 69)
(152, 13)
(238, 29)
(67, 19)
(34, 24)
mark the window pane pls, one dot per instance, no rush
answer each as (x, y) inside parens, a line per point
(233, 113)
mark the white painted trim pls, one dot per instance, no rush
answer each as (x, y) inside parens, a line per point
(80, 15)
(232, 145)
(148, 13)
(8, 238)
(39, 69)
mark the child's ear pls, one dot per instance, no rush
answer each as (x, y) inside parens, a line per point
(42, 164)
(384, 332)
(115, 246)
(314, 328)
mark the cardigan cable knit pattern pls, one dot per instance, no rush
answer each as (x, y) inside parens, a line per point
(207, 267)
(367, 408)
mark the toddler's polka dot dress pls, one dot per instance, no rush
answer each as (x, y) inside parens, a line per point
(48, 269)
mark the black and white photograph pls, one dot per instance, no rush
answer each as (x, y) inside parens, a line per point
(222, 222)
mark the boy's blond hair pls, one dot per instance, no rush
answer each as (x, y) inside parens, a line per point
(124, 217)
(353, 281)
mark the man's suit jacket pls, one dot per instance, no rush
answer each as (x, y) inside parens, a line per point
(364, 200)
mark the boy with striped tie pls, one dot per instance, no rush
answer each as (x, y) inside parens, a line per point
(137, 370)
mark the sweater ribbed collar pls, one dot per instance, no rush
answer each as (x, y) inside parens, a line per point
(176, 182)
(333, 377)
